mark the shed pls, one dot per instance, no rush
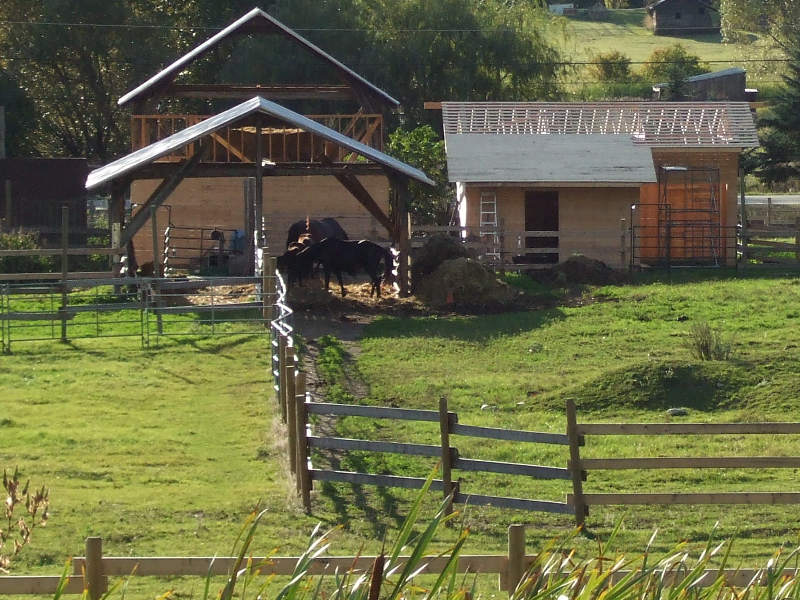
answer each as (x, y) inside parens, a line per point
(727, 84)
(538, 182)
(682, 17)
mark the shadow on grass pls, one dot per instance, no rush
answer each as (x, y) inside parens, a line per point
(469, 328)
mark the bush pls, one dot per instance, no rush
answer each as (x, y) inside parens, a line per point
(673, 65)
(611, 67)
(706, 343)
(23, 264)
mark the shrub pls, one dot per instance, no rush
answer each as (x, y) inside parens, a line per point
(673, 65)
(611, 67)
(23, 264)
(706, 343)
(17, 529)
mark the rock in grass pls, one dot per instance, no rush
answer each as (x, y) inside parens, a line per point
(677, 412)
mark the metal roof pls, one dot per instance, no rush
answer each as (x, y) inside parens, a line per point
(571, 158)
(148, 154)
(256, 19)
(653, 124)
(656, 3)
(707, 76)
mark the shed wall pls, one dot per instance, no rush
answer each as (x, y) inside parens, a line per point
(682, 17)
(219, 202)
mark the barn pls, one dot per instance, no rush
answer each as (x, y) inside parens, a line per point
(204, 210)
(682, 17)
(623, 182)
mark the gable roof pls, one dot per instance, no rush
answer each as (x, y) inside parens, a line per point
(654, 124)
(148, 154)
(259, 22)
(656, 3)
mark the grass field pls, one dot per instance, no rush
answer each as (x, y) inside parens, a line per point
(624, 30)
(164, 451)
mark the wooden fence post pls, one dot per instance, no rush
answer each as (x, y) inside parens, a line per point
(94, 579)
(291, 415)
(282, 375)
(622, 248)
(301, 421)
(797, 239)
(575, 463)
(447, 457)
(64, 270)
(516, 557)
(268, 286)
(769, 212)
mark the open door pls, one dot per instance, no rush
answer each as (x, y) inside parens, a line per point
(541, 218)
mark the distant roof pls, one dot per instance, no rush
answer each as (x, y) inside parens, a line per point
(654, 124)
(706, 76)
(254, 21)
(571, 158)
(241, 112)
(656, 3)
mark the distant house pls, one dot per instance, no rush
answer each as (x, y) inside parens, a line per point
(728, 84)
(538, 182)
(682, 17)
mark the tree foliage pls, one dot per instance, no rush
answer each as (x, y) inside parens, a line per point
(422, 148)
(673, 65)
(777, 19)
(780, 125)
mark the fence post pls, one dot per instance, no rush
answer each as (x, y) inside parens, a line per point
(64, 270)
(447, 457)
(291, 415)
(516, 557)
(94, 580)
(268, 286)
(622, 228)
(282, 375)
(301, 420)
(769, 212)
(797, 239)
(575, 463)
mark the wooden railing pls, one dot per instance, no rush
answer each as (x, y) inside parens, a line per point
(281, 144)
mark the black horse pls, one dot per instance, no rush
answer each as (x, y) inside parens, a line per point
(317, 229)
(350, 256)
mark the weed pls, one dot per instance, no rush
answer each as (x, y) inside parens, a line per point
(35, 506)
(706, 343)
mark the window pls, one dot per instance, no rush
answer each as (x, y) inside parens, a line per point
(677, 16)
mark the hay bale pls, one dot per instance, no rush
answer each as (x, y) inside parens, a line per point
(437, 249)
(580, 269)
(464, 283)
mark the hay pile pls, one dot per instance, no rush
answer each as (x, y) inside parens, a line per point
(580, 269)
(437, 249)
(465, 284)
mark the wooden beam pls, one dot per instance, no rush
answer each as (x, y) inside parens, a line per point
(160, 170)
(432, 105)
(692, 498)
(360, 193)
(157, 198)
(272, 92)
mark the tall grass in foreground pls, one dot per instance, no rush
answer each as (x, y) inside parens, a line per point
(554, 574)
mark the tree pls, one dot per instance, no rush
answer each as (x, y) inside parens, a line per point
(780, 127)
(611, 67)
(779, 20)
(422, 148)
(19, 115)
(673, 65)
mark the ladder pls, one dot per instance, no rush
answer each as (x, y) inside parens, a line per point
(488, 224)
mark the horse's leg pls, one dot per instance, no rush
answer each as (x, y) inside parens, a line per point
(327, 277)
(341, 285)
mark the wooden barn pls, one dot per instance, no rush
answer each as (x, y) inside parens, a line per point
(33, 190)
(727, 84)
(206, 214)
(682, 17)
(623, 182)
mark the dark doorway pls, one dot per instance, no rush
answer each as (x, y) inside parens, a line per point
(541, 214)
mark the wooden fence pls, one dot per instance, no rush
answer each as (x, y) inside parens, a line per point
(91, 572)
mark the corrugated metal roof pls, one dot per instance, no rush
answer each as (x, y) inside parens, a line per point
(571, 158)
(148, 154)
(706, 76)
(662, 124)
(256, 14)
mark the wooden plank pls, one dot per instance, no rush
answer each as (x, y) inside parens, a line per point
(34, 316)
(413, 483)
(330, 443)
(53, 276)
(490, 466)
(516, 503)
(58, 251)
(513, 435)
(375, 412)
(686, 428)
(39, 585)
(692, 498)
(663, 462)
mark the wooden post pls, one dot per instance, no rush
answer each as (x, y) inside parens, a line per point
(2, 132)
(9, 206)
(447, 457)
(516, 557)
(282, 375)
(64, 269)
(301, 421)
(291, 391)
(116, 214)
(797, 239)
(268, 286)
(259, 195)
(94, 580)
(575, 462)
(743, 211)
(622, 228)
(156, 255)
(769, 211)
